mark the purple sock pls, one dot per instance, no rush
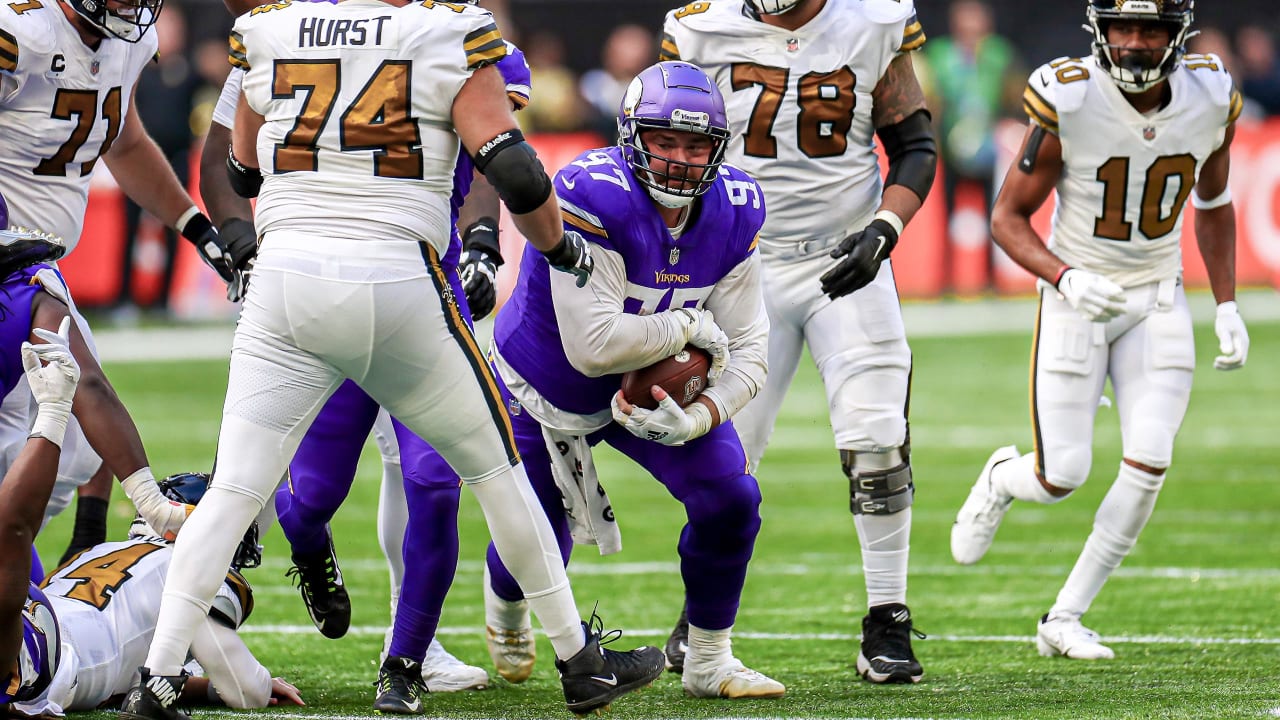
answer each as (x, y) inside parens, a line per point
(430, 558)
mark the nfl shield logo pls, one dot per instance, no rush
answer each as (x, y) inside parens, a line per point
(793, 44)
(1148, 133)
(93, 67)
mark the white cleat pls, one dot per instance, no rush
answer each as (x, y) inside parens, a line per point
(442, 672)
(980, 516)
(513, 652)
(1064, 635)
(731, 680)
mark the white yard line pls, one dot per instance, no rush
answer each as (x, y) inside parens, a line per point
(607, 568)
(380, 630)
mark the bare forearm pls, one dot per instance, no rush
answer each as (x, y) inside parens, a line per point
(144, 174)
(23, 497)
(543, 227)
(901, 201)
(220, 199)
(108, 427)
(1014, 234)
(1216, 238)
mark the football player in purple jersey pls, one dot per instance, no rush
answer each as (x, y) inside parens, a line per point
(675, 234)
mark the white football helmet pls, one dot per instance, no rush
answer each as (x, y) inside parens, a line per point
(773, 7)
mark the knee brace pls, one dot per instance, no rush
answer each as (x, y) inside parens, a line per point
(878, 492)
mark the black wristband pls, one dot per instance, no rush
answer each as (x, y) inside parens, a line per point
(482, 235)
(197, 227)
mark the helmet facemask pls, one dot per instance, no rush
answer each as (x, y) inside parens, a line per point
(1136, 71)
(678, 97)
(128, 20)
(772, 7)
(189, 489)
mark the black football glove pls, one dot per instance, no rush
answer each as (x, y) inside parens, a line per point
(241, 241)
(212, 250)
(863, 252)
(572, 255)
(481, 258)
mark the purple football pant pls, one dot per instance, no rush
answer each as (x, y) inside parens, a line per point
(707, 475)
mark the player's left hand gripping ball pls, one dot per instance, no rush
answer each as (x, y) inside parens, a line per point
(863, 252)
(572, 255)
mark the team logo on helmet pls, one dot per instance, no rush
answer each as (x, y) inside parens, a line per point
(675, 96)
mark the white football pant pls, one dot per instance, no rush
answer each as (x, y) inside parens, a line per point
(322, 309)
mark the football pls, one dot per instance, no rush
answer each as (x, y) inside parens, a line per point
(683, 376)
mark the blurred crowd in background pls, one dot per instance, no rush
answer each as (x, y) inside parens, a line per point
(584, 52)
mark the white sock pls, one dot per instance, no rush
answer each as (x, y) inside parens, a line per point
(1017, 478)
(503, 614)
(1119, 520)
(709, 647)
(886, 547)
(522, 534)
(393, 518)
(201, 557)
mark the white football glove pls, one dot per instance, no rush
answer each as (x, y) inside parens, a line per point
(162, 514)
(669, 424)
(53, 374)
(1233, 339)
(1092, 295)
(702, 331)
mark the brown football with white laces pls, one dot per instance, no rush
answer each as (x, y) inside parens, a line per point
(683, 376)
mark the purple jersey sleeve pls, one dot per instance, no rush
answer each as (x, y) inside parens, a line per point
(600, 198)
(17, 293)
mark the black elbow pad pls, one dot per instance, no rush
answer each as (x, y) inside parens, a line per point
(912, 151)
(245, 180)
(512, 167)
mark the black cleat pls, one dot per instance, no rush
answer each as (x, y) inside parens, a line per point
(596, 676)
(678, 644)
(319, 579)
(886, 655)
(153, 698)
(400, 687)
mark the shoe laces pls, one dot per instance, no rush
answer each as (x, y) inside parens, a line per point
(892, 637)
(314, 577)
(595, 627)
(404, 680)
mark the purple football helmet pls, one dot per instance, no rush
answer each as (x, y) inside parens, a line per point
(673, 96)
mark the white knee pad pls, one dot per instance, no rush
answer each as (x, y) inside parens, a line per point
(1067, 467)
(868, 410)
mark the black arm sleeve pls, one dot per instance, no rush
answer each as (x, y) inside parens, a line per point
(512, 167)
(912, 151)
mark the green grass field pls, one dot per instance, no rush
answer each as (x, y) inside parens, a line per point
(1191, 614)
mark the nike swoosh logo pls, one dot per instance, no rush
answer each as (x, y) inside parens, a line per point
(883, 240)
(610, 680)
(882, 658)
(568, 183)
